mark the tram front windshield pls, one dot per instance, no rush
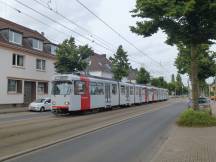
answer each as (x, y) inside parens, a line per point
(61, 87)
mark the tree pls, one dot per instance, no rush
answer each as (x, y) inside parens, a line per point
(143, 76)
(178, 85)
(72, 58)
(173, 78)
(191, 23)
(159, 82)
(206, 62)
(120, 65)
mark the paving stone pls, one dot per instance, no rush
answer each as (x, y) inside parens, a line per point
(189, 145)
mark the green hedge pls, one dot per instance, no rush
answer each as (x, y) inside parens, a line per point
(196, 118)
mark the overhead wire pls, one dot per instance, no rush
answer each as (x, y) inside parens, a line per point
(21, 12)
(74, 23)
(116, 32)
(64, 26)
(96, 37)
(68, 28)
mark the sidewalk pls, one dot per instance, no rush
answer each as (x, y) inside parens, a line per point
(12, 110)
(189, 145)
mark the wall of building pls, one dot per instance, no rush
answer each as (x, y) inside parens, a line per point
(28, 72)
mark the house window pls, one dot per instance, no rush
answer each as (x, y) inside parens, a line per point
(37, 44)
(40, 64)
(53, 49)
(43, 88)
(15, 37)
(18, 60)
(14, 86)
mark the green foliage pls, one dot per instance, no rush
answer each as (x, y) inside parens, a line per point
(178, 85)
(71, 58)
(159, 82)
(196, 118)
(206, 61)
(120, 64)
(143, 76)
(189, 22)
(173, 78)
(171, 87)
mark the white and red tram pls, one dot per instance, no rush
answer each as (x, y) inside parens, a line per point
(80, 93)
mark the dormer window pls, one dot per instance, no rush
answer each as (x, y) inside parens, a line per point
(37, 44)
(15, 37)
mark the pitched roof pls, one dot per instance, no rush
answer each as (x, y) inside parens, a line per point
(26, 33)
(99, 63)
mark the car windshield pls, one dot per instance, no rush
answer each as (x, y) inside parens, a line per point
(39, 100)
(202, 100)
(61, 88)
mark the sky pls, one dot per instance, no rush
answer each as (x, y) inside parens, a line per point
(114, 12)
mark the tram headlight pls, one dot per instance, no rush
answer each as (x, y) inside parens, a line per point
(67, 103)
(53, 103)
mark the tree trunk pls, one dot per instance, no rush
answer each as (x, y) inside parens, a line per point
(194, 77)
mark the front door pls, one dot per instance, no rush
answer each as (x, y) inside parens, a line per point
(29, 92)
(107, 94)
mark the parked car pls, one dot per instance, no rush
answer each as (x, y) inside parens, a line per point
(204, 103)
(42, 104)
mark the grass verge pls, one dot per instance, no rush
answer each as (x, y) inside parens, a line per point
(196, 118)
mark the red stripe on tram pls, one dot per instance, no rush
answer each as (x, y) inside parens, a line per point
(85, 98)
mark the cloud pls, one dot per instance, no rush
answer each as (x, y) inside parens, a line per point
(115, 13)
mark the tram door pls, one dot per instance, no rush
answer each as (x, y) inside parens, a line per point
(107, 94)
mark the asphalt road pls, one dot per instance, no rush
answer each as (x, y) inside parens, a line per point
(13, 117)
(134, 140)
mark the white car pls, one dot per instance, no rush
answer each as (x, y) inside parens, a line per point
(42, 104)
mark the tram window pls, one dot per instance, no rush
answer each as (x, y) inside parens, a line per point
(100, 88)
(93, 88)
(140, 91)
(137, 91)
(114, 89)
(143, 91)
(131, 90)
(79, 87)
(96, 88)
(122, 89)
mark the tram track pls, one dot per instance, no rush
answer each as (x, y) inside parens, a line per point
(22, 136)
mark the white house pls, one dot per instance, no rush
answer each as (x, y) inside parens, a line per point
(26, 64)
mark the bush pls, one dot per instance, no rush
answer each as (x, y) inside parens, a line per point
(196, 118)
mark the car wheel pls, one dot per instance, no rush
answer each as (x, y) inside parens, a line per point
(42, 109)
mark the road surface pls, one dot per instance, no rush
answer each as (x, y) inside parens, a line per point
(13, 117)
(136, 140)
